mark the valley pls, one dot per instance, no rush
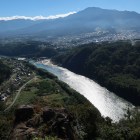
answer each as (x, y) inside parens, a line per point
(69, 76)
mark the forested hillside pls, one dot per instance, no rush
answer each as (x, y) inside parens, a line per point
(4, 72)
(27, 49)
(114, 65)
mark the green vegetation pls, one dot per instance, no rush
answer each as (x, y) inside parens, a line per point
(46, 138)
(47, 90)
(6, 123)
(87, 122)
(125, 130)
(4, 72)
(27, 49)
(114, 65)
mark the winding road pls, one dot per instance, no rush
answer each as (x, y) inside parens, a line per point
(18, 93)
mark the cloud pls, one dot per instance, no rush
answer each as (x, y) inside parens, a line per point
(36, 17)
(60, 15)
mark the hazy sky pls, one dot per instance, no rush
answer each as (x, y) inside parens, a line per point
(53, 7)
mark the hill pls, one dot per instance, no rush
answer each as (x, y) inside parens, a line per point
(27, 49)
(15, 24)
(114, 65)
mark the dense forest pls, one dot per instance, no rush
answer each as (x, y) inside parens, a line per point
(27, 49)
(114, 65)
(4, 72)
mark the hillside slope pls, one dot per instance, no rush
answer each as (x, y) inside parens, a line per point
(4, 72)
(49, 109)
(27, 49)
(114, 65)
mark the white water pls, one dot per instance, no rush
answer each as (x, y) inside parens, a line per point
(106, 102)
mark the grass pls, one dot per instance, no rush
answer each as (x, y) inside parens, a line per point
(54, 100)
(26, 98)
(47, 138)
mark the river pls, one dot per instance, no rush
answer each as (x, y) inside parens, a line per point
(105, 101)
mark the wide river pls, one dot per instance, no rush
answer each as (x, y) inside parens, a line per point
(105, 101)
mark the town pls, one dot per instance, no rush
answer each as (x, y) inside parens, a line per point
(98, 36)
(20, 74)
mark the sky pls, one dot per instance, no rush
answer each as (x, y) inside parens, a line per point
(46, 8)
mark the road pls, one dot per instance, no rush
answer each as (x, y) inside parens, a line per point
(18, 93)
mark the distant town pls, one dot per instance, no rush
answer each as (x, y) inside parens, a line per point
(97, 36)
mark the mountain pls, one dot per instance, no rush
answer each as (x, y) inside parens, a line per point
(16, 24)
(88, 20)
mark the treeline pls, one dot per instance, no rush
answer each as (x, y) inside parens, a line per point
(114, 65)
(27, 49)
(4, 72)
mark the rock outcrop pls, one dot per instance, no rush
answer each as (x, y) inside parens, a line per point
(48, 114)
(23, 113)
(47, 122)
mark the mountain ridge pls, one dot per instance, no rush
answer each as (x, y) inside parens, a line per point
(84, 21)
